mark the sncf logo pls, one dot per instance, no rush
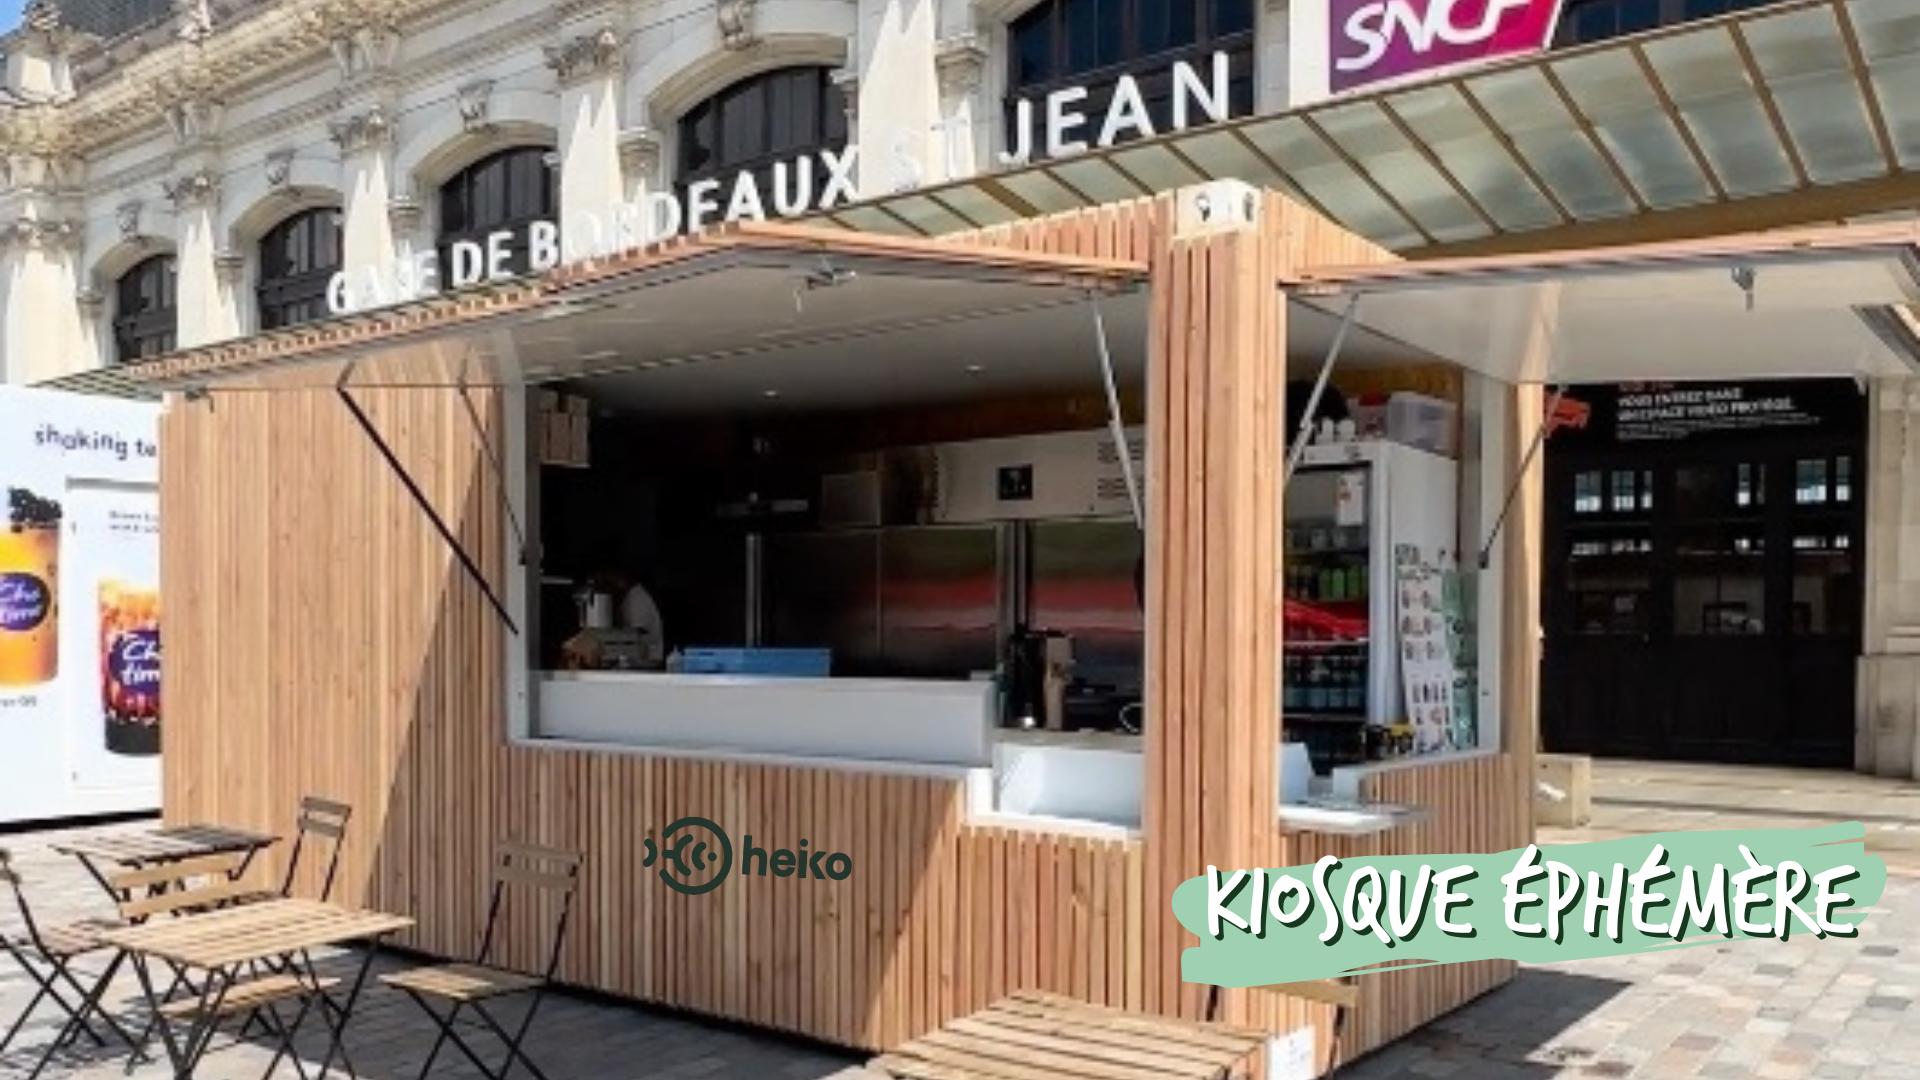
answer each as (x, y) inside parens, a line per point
(1378, 40)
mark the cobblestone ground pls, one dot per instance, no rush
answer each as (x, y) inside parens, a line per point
(1800, 1010)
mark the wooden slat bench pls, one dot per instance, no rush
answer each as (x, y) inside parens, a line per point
(1036, 1036)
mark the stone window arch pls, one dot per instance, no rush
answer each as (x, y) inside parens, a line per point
(298, 257)
(755, 123)
(146, 309)
(506, 191)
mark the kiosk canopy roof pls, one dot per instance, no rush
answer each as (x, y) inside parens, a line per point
(1781, 306)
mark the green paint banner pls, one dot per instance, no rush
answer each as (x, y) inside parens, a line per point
(1260, 927)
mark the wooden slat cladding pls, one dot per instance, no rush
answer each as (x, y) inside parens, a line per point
(323, 641)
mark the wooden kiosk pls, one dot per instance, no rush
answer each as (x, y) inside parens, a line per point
(324, 638)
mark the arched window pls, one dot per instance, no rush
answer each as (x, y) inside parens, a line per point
(756, 123)
(146, 310)
(297, 259)
(506, 192)
(1073, 43)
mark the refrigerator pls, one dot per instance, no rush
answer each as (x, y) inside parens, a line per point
(1365, 523)
(80, 657)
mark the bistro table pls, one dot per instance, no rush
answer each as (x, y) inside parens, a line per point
(107, 853)
(277, 935)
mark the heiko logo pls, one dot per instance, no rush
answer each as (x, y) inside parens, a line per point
(1377, 40)
(24, 600)
(696, 855)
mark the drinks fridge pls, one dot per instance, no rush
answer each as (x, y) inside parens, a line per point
(1350, 509)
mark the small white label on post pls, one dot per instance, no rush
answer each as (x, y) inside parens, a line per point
(1290, 1056)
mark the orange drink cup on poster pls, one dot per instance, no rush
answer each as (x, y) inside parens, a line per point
(130, 667)
(29, 586)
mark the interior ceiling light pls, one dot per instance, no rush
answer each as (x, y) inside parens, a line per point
(770, 393)
(975, 369)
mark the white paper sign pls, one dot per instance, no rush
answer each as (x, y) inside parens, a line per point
(1290, 1056)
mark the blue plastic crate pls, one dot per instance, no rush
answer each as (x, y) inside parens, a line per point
(793, 663)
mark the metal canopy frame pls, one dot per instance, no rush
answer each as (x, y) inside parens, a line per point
(1745, 258)
(1790, 99)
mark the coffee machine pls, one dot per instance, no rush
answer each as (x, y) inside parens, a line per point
(1038, 667)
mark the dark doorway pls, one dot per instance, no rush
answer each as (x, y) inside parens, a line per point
(1702, 597)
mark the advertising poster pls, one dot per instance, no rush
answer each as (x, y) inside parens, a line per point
(79, 605)
(1426, 653)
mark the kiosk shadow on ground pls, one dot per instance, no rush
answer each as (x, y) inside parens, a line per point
(1513, 1033)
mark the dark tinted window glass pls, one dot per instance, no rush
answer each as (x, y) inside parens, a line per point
(146, 309)
(773, 120)
(298, 258)
(1060, 43)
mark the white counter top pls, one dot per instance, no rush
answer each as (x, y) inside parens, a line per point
(931, 722)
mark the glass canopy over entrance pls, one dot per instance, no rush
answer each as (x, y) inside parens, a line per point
(1796, 100)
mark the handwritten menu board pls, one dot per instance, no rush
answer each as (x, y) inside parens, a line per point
(1426, 647)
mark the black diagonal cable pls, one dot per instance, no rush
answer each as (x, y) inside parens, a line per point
(426, 506)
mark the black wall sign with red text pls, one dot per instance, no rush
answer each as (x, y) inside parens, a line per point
(1694, 412)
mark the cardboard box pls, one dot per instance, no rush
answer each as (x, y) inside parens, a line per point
(556, 438)
(546, 401)
(1563, 792)
(576, 405)
(578, 445)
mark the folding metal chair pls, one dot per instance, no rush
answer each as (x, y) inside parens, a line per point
(320, 825)
(47, 954)
(543, 871)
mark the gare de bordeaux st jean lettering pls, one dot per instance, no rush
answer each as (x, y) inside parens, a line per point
(1064, 129)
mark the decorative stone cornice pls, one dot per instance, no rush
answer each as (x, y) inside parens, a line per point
(404, 213)
(28, 171)
(193, 117)
(279, 170)
(475, 100)
(195, 190)
(961, 61)
(365, 131)
(91, 301)
(366, 46)
(588, 55)
(230, 266)
(196, 20)
(736, 19)
(43, 234)
(640, 151)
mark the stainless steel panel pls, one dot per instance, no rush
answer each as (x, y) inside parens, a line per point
(823, 591)
(1082, 583)
(939, 599)
(701, 587)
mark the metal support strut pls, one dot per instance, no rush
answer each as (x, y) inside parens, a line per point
(420, 499)
(1513, 487)
(1114, 422)
(1305, 434)
(499, 470)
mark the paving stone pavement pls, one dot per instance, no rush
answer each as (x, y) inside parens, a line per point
(1803, 1009)
(1797, 1010)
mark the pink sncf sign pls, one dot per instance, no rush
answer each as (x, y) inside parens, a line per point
(1376, 41)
